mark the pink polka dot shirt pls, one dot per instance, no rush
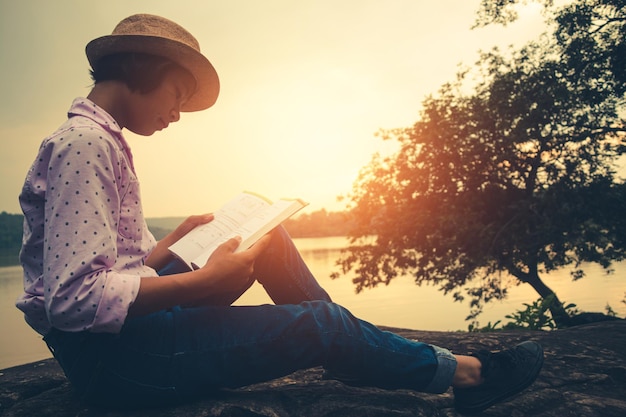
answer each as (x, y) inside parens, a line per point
(85, 238)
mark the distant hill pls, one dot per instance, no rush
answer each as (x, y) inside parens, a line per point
(10, 238)
(169, 223)
(161, 226)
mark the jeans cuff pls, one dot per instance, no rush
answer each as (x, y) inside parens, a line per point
(446, 366)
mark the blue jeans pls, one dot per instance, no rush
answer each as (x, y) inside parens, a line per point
(178, 354)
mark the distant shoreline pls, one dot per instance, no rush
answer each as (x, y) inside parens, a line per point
(308, 225)
(9, 257)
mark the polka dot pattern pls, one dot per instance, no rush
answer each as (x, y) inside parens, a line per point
(85, 237)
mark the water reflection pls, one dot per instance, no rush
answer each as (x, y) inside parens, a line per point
(404, 304)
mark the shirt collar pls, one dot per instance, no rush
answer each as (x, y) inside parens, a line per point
(86, 108)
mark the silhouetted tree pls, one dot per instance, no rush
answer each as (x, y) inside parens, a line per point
(517, 176)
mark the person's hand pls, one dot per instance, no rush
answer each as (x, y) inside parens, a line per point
(160, 255)
(224, 271)
(191, 223)
(185, 227)
(229, 270)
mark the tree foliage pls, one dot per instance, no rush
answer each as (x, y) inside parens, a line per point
(515, 178)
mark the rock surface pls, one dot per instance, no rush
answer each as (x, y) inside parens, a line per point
(584, 375)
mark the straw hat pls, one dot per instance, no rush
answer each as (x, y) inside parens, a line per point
(149, 34)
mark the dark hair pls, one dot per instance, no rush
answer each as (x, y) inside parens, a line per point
(140, 72)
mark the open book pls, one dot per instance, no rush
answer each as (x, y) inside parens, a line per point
(248, 215)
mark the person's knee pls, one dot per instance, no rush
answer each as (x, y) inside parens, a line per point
(332, 315)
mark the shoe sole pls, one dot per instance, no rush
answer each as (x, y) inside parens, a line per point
(479, 407)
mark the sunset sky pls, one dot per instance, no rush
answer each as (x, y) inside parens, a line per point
(305, 85)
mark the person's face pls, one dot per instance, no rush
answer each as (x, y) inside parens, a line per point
(149, 112)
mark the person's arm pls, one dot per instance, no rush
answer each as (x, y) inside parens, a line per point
(160, 255)
(223, 271)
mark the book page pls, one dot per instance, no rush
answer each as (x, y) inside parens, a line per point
(228, 218)
(256, 226)
(265, 220)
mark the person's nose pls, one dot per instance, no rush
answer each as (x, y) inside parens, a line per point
(174, 115)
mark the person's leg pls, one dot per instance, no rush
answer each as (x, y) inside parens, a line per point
(467, 372)
(246, 345)
(283, 273)
(175, 355)
(219, 299)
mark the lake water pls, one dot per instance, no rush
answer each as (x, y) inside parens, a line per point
(400, 304)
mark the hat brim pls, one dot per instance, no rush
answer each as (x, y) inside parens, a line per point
(208, 85)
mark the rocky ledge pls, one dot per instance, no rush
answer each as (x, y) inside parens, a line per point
(584, 375)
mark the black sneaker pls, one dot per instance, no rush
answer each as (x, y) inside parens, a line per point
(504, 373)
